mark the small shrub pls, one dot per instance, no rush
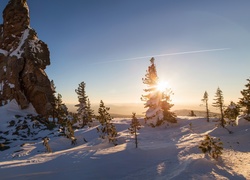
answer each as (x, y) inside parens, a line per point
(192, 114)
(3, 147)
(12, 123)
(46, 144)
(247, 117)
(18, 116)
(212, 146)
(50, 126)
(6, 133)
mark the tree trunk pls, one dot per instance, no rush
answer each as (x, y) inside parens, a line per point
(207, 112)
(136, 143)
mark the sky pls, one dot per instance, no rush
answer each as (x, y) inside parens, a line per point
(198, 46)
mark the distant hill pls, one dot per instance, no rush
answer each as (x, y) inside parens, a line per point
(180, 112)
(186, 112)
(125, 110)
(125, 115)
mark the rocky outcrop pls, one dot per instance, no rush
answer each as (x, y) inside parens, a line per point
(23, 59)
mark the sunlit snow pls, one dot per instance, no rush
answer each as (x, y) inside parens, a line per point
(167, 152)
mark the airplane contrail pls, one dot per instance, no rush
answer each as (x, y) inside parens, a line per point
(168, 54)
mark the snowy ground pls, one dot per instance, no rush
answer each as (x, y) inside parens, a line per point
(169, 152)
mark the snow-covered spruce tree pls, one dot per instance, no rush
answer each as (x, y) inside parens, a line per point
(212, 146)
(219, 103)
(134, 127)
(84, 110)
(232, 111)
(153, 97)
(157, 102)
(245, 100)
(205, 100)
(107, 129)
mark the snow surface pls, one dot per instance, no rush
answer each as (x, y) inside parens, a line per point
(12, 108)
(11, 85)
(169, 152)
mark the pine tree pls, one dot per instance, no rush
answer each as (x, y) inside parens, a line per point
(166, 106)
(205, 100)
(60, 108)
(53, 87)
(84, 111)
(232, 111)
(192, 114)
(219, 103)
(134, 127)
(245, 100)
(90, 112)
(152, 98)
(157, 102)
(107, 129)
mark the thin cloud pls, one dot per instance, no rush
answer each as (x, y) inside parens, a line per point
(161, 55)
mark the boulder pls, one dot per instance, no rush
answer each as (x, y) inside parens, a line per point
(23, 60)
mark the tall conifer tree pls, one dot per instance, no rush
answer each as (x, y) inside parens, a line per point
(245, 100)
(84, 111)
(61, 109)
(53, 87)
(90, 112)
(107, 129)
(157, 102)
(219, 103)
(153, 97)
(134, 127)
(205, 100)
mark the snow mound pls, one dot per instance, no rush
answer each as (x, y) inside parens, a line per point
(12, 107)
(22, 125)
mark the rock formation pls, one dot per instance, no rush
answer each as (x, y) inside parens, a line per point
(23, 59)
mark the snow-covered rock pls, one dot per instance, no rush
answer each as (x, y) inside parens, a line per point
(23, 58)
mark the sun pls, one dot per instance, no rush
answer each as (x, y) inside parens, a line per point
(162, 86)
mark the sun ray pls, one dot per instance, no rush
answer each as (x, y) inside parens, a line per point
(162, 86)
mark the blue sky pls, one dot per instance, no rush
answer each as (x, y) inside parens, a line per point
(88, 38)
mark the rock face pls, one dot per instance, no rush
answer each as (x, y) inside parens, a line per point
(23, 59)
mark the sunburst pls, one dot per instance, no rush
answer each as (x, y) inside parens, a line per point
(162, 86)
